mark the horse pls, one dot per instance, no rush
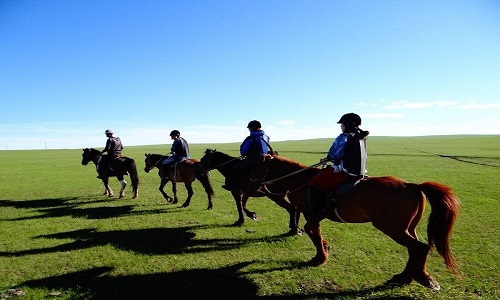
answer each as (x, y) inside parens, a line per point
(185, 171)
(118, 167)
(224, 163)
(393, 206)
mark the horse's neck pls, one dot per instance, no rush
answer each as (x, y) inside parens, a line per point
(158, 159)
(95, 156)
(225, 165)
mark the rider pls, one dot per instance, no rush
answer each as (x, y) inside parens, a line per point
(255, 148)
(178, 152)
(112, 150)
(348, 154)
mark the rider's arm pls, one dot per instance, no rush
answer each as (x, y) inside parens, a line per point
(337, 149)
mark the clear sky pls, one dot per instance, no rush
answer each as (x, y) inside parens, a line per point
(69, 70)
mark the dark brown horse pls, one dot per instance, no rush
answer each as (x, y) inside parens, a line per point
(392, 205)
(224, 163)
(185, 171)
(118, 167)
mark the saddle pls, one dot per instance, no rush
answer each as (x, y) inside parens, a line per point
(345, 187)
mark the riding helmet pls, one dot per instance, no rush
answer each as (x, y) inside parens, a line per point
(351, 119)
(175, 133)
(254, 125)
(108, 131)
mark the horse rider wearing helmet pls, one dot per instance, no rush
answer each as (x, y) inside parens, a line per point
(178, 152)
(254, 149)
(348, 155)
(112, 150)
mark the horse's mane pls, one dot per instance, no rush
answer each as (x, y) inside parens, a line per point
(289, 161)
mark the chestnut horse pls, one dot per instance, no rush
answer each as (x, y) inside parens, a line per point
(224, 163)
(185, 171)
(392, 205)
(118, 167)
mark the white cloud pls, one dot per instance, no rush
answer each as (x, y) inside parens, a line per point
(382, 115)
(480, 106)
(415, 105)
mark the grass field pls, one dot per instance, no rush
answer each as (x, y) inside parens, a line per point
(60, 238)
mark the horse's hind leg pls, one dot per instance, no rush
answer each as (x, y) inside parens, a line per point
(293, 213)
(189, 189)
(123, 185)
(415, 268)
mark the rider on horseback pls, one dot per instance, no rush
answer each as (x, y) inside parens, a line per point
(348, 154)
(255, 148)
(178, 152)
(112, 150)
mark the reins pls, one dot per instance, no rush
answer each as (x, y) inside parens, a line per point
(155, 165)
(291, 174)
(224, 163)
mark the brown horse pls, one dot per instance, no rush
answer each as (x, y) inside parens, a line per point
(185, 171)
(118, 167)
(224, 163)
(392, 205)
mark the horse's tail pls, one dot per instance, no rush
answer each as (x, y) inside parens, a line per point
(134, 176)
(202, 176)
(444, 211)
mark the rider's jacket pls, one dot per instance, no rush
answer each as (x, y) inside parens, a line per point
(113, 146)
(255, 145)
(348, 153)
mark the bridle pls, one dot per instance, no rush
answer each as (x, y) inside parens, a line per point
(94, 158)
(222, 164)
(155, 164)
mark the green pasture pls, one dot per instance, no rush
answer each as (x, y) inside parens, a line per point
(60, 238)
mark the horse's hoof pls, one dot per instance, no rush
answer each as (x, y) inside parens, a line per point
(316, 261)
(428, 282)
(209, 208)
(295, 231)
(238, 223)
(398, 280)
(255, 217)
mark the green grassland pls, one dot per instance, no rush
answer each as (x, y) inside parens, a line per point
(61, 238)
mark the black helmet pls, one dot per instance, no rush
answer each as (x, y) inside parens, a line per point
(175, 133)
(350, 119)
(254, 124)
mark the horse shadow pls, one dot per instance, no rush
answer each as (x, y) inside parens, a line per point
(36, 203)
(151, 241)
(62, 207)
(96, 283)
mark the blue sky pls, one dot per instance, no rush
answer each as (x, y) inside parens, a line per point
(71, 69)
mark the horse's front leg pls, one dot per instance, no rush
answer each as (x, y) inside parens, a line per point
(314, 232)
(174, 190)
(252, 215)
(189, 189)
(164, 182)
(239, 207)
(107, 190)
(123, 185)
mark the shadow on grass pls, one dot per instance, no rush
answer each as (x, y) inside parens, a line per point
(36, 203)
(62, 207)
(222, 283)
(152, 241)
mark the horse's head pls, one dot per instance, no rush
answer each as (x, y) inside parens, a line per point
(207, 161)
(151, 161)
(89, 154)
